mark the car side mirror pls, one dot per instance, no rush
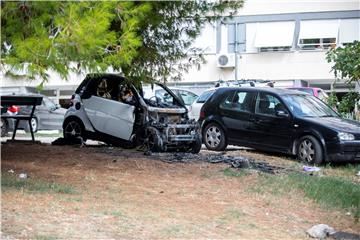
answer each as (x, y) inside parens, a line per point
(282, 114)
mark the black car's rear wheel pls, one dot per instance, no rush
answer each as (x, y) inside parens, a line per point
(309, 150)
(73, 129)
(214, 137)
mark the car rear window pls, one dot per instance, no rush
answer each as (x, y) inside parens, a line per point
(205, 96)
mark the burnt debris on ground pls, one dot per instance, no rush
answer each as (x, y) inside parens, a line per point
(238, 162)
(235, 162)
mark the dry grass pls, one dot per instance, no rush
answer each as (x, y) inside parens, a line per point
(138, 197)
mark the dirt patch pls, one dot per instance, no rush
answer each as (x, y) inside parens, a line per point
(125, 194)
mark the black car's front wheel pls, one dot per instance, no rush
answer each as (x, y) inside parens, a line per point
(214, 137)
(309, 150)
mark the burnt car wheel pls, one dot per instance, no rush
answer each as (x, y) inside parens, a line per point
(74, 129)
(154, 141)
(214, 137)
(309, 150)
(196, 146)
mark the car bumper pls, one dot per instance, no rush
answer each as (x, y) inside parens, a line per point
(344, 151)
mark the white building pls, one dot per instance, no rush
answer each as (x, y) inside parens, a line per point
(278, 40)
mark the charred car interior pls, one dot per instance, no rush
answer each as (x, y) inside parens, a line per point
(108, 108)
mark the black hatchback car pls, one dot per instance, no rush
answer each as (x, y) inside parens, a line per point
(279, 120)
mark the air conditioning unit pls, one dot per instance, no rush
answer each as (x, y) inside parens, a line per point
(226, 60)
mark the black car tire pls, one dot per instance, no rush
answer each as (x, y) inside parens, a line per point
(34, 124)
(73, 129)
(155, 142)
(4, 127)
(196, 146)
(214, 137)
(309, 150)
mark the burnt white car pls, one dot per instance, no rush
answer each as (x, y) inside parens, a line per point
(108, 108)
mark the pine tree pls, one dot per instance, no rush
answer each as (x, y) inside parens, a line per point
(144, 40)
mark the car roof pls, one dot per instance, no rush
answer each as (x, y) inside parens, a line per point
(277, 91)
(316, 88)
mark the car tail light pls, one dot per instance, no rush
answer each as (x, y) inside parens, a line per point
(14, 109)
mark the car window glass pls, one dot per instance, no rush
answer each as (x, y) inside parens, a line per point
(204, 96)
(240, 101)
(268, 104)
(48, 103)
(163, 96)
(187, 97)
(308, 106)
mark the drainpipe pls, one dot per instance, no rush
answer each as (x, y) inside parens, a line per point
(236, 52)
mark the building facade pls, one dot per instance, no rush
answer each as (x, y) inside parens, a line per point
(281, 41)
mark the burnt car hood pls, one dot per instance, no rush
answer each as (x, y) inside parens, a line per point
(337, 123)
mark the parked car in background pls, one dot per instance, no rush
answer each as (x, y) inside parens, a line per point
(194, 109)
(7, 124)
(47, 116)
(317, 92)
(279, 120)
(106, 107)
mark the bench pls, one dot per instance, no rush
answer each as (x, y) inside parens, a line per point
(21, 100)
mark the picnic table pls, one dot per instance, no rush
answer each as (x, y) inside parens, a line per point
(21, 100)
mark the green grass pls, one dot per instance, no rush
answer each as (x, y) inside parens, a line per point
(43, 237)
(231, 172)
(11, 181)
(327, 191)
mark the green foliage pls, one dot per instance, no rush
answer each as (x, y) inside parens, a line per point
(145, 40)
(348, 102)
(346, 61)
(230, 172)
(332, 100)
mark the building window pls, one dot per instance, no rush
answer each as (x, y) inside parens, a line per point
(349, 31)
(318, 34)
(274, 49)
(269, 36)
(236, 37)
(317, 43)
(274, 36)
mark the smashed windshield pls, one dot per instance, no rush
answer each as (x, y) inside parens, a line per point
(308, 106)
(157, 96)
